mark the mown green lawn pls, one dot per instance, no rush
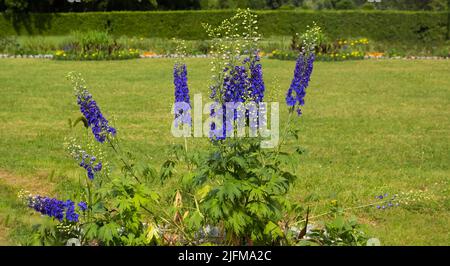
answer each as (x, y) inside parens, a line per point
(369, 127)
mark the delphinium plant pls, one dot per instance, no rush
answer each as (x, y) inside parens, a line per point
(112, 209)
(238, 189)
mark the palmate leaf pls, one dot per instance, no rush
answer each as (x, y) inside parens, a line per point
(194, 221)
(277, 185)
(259, 209)
(148, 172)
(108, 232)
(273, 230)
(214, 208)
(229, 191)
(241, 162)
(238, 222)
(167, 170)
(256, 194)
(139, 200)
(91, 230)
(123, 204)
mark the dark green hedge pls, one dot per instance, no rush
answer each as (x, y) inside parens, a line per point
(401, 26)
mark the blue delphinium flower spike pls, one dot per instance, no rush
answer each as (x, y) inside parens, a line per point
(302, 74)
(182, 114)
(88, 107)
(55, 208)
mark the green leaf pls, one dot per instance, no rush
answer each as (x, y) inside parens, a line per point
(241, 162)
(167, 169)
(202, 192)
(273, 230)
(229, 191)
(256, 194)
(108, 232)
(91, 230)
(238, 222)
(195, 220)
(81, 119)
(152, 233)
(214, 208)
(339, 222)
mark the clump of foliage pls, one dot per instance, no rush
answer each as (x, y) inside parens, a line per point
(94, 45)
(325, 50)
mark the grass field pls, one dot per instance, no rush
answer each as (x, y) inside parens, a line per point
(369, 127)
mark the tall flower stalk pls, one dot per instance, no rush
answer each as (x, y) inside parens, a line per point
(182, 107)
(302, 74)
(303, 69)
(237, 71)
(55, 208)
(88, 106)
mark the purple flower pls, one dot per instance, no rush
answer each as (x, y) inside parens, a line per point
(182, 99)
(71, 215)
(55, 208)
(387, 202)
(241, 83)
(257, 86)
(302, 74)
(94, 117)
(98, 167)
(87, 162)
(82, 205)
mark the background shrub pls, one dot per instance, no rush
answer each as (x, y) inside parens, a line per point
(393, 26)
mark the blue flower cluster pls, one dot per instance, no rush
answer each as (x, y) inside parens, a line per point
(217, 132)
(300, 82)
(95, 119)
(88, 163)
(55, 208)
(241, 83)
(235, 84)
(82, 205)
(257, 86)
(386, 201)
(182, 99)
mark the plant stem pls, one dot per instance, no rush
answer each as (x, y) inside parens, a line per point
(127, 165)
(283, 136)
(345, 209)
